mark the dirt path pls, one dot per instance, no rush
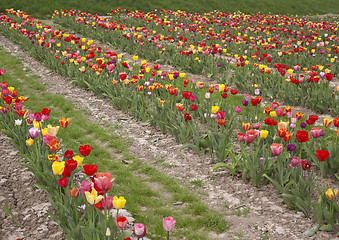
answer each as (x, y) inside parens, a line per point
(26, 203)
(254, 213)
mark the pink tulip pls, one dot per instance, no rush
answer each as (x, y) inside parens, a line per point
(109, 202)
(193, 97)
(279, 112)
(168, 223)
(240, 137)
(139, 230)
(33, 132)
(85, 186)
(256, 125)
(316, 132)
(251, 135)
(104, 181)
(238, 109)
(276, 148)
(295, 162)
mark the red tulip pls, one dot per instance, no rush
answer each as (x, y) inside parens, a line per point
(71, 165)
(302, 136)
(336, 122)
(85, 150)
(63, 182)
(187, 117)
(322, 155)
(306, 165)
(186, 94)
(194, 107)
(90, 170)
(121, 222)
(270, 121)
(68, 154)
(234, 91)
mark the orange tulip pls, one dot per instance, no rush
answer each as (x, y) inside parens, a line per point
(246, 126)
(64, 122)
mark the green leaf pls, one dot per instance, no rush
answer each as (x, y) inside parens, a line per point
(328, 227)
(310, 232)
(275, 183)
(221, 165)
(125, 234)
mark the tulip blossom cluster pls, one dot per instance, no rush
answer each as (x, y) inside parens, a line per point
(276, 142)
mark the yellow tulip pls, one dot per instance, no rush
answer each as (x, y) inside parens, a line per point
(30, 142)
(36, 124)
(330, 194)
(263, 134)
(273, 114)
(135, 58)
(78, 159)
(182, 75)
(221, 87)
(44, 131)
(215, 109)
(290, 71)
(143, 62)
(327, 122)
(58, 168)
(118, 203)
(92, 197)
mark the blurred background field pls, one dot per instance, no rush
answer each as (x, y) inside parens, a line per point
(44, 8)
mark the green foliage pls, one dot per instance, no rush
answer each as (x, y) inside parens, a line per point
(44, 7)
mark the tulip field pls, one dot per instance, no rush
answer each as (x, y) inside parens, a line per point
(254, 96)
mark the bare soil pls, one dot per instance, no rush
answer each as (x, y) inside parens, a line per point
(27, 203)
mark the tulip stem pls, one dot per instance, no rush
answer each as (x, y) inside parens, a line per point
(168, 235)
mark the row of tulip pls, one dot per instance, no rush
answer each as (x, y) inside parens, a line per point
(78, 192)
(277, 154)
(156, 44)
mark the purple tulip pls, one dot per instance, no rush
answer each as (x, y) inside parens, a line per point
(291, 147)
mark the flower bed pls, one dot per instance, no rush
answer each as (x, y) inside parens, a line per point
(291, 153)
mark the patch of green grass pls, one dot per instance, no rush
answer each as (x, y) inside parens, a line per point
(241, 210)
(197, 182)
(43, 8)
(194, 219)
